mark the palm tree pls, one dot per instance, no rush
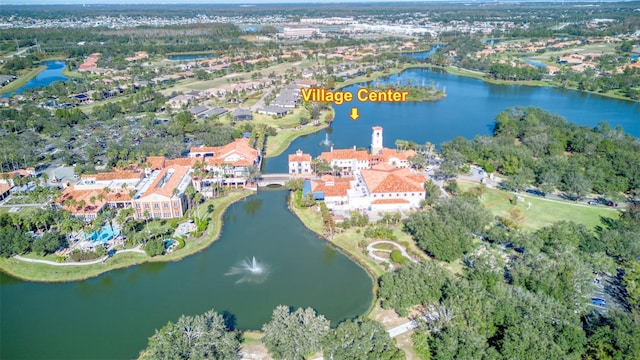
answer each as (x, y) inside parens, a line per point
(252, 174)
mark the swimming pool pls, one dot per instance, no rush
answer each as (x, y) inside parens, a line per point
(105, 234)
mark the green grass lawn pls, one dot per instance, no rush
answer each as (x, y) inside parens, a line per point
(347, 240)
(44, 272)
(542, 211)
(22, 79)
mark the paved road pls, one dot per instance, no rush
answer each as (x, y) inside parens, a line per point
(260, 102)
(398, 330)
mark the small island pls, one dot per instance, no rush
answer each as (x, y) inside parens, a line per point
(417, 93)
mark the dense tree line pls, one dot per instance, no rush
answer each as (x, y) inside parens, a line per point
(535, 148)
(515, 73)
(17, 233)
(445, 232)
(289, 335)
(530, 304)
(205, 336)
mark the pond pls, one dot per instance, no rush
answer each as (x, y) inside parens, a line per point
(46, 77)
(113, 315)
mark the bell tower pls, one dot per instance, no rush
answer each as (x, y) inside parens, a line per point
(376, 140)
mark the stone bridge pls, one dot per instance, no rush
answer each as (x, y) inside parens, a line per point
(273, 179)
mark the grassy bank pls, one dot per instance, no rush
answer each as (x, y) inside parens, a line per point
(51, 273)
(22, 79)
(542, 212)
(277, 144)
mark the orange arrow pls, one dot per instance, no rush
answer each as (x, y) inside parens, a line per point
(354, 114)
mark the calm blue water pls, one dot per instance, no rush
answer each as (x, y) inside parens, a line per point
(468, 110)
(51, 74)
(536, 63)
(422, 54)
(190, 57)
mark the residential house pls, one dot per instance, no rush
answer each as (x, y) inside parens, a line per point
(242, 114)
(273, 110)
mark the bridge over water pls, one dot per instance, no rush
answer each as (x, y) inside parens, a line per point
(273, 179)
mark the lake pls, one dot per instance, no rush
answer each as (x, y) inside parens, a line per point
(468, 110)
(113, 315)
(46, 77)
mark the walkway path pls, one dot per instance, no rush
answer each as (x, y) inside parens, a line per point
(371, 249)
(83, 263)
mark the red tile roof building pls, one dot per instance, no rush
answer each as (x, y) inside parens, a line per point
(300, 163)
(381, 181)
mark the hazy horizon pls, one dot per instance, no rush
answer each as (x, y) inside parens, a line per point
(258, 2)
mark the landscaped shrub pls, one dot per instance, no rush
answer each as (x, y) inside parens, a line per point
(396, 257)
(79, 255)
(379, 232)
(154, 247)
(181, 243)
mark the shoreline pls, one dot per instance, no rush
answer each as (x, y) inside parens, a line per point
(366, 267)
(22, 80)
(13, 267)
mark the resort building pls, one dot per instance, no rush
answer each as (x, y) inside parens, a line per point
(161, 195)
(347, 160)
(93, 192)
(299, 163)
(158, 190)
(224, 165)
(378, 181)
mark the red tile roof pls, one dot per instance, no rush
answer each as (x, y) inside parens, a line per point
(156, 162)
(164, 187)
(345, 154)
(4, 188)
(331, 186)
(384, 178)
(386, 154)
(299, 156)
(114, 175)
(246, 155)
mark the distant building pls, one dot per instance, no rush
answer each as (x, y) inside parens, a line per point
(273, 110)
(300, 32)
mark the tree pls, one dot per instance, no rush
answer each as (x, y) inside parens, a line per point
(154, 247)
(576, 185)
(203, 336)
(294, 184)
(417, 161)
(414, 284)
(292, 335)
(252, 174)
(361, 339)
